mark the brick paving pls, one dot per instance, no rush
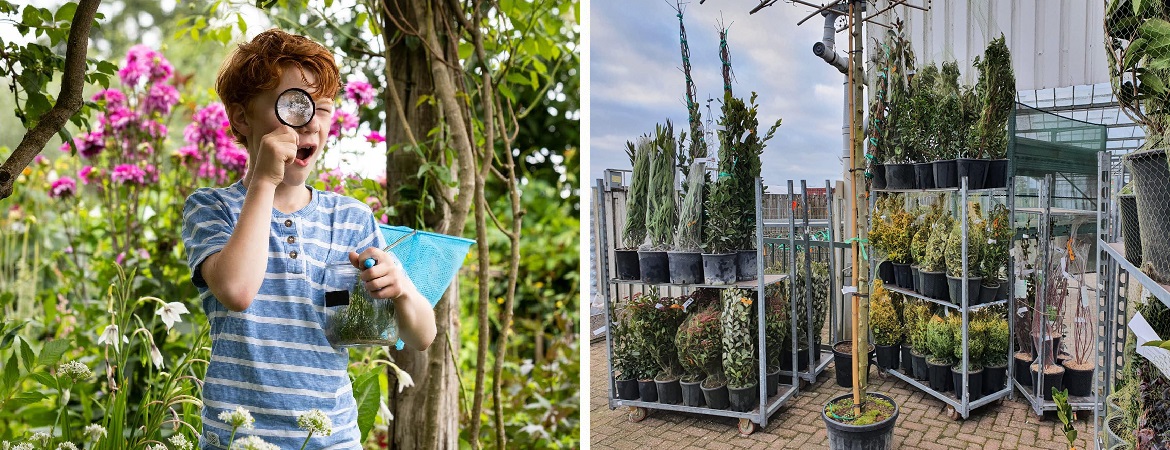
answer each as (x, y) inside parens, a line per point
(922, 423)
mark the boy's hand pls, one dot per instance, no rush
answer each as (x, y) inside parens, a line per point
(386, 279)
(278, 149)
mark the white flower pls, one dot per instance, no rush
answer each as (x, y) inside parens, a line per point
(252, 443)
(180, 442)
(94, 432)
(5, 445)
(172, 312)
(74, 370)
(240, 418)
(157, 447)
(156, 357)
(110, 336)
(24, 446)
(404, 379)
(42, 438)
(68, 446)
(315, 422)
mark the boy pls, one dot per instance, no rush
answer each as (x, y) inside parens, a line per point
(258, 248)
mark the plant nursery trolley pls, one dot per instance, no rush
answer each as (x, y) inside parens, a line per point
(749, 420)
(1116, 273)
(1046, 214)
(958, 401)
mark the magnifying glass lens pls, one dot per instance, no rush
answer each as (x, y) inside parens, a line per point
(294, 107)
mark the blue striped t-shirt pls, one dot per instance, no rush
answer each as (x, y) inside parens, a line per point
(273, 358)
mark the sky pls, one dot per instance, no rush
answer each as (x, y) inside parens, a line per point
(636, 80)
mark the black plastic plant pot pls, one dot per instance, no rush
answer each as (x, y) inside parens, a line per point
(647, 390)
(974, 383)
(997, 174)
(879, 176)
(907, 361)
(843, 362)
(746, 267)
(1130, 229)
(669, 390)
(987, 293)
(902, 275)
(773, 378)
(940, 376)
(685, 267)
(915, 276)
(899, 176)
(1053, 378)
(786, 358)
(744, 399)
(655, 267)
(626, 264)
(955, 288)
(1002, 292)
(934, 285)
(1150, 175)
(875, 436)
(886, 272)
(1079, 382)
(920, 368)
(994, 379)
(945, 174)
(715, 397)
(692, 393)
(1115, 426)
(1022, 370)
(887, 356)
(719, 268)
(974, 169)
(924, 175)
(627, 389)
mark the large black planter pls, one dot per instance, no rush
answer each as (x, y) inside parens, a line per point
(786, 358)
(955, 288)
(1079, 382)
(974, 383)
(746, 267)
(1002, 293)
(994, 379)
(719, 268)
(934, 285)
(692, 393)
(655, 267)
(887, 356)
(902, 276)
(1023, 363)
(924, 175)
(1130, 229)
(879, 176)
(647, 391)
(773, 379)
(744, 399)
(843, 363)
(876, 436)
(940, 376)
(919, 367)
(669, 390)
(946, 174)
(907, 361)
(626, 264)
(997, 174)
(627, 389)
(1055, 379)
(685, 267)
(899, 176)
(886, 272)
(915, 276)
(1150, 175)
(974, 169)
(987, 293)
(715, 397)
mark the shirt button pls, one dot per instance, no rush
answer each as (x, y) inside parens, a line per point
(288, 222)
(292, 254)
(292, 239)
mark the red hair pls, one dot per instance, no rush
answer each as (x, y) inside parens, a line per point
(257, 66)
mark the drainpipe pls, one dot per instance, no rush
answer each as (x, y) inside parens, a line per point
(826, 49)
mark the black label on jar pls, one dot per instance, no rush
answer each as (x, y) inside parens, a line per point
(336, 298)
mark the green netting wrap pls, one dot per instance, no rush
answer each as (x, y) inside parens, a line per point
(698, 147)
(662, 213)
(689, 236)
(634, 231)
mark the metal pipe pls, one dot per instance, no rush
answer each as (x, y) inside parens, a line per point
(826, 49)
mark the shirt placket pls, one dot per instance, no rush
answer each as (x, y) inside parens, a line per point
(290, 244)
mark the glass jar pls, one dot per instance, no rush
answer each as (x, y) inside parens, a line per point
(354, 318)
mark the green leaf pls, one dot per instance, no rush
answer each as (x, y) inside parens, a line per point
(30, 17)
(65, 12)
(1159, 344)
(11, 371)
(368, 395)
(24, 399)
(1152, 83)
(52, 351)
(26, 354)
(44, 379)
(241, 24)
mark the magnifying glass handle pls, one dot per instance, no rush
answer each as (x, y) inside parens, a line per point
(369, 262)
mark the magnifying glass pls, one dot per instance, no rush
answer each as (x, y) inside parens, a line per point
(294, 107)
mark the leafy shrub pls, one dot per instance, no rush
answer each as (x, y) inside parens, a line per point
(739, 350)
(883, 319)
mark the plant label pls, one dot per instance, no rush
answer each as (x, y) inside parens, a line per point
(1085, 296)
(1021, 289)
(687, 304)
(1145, 333)
(658, 305)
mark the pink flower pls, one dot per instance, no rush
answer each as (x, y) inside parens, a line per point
(64, 187)
(88, 145)
(145, 64)
(360, 92)
(151, 173)
(128, 174)
(343, 121)
(385, 218)
(374, 202)
(84, 173)
(155, 129)
(375, 137)
(232, 158)
(190, 152)
(69, 249)
(143, 254)
(121, 256)
(160, 99)
(118, 119)
(111, 97)
(42, 160)
(209, 126)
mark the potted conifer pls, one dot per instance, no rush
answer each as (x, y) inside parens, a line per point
(976, 346)
(933, 268)
(662, 209)
(996, 91)
(634, 230)
(887, 332)
(976, 239)
(917, 318)
(939, 340)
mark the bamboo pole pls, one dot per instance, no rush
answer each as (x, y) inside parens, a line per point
(856, 319)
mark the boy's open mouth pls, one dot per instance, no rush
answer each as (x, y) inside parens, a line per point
(303, 153)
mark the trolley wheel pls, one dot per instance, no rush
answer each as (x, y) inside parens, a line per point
(884, 375)
(637, 414)
(746, 427)
(953, 414)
